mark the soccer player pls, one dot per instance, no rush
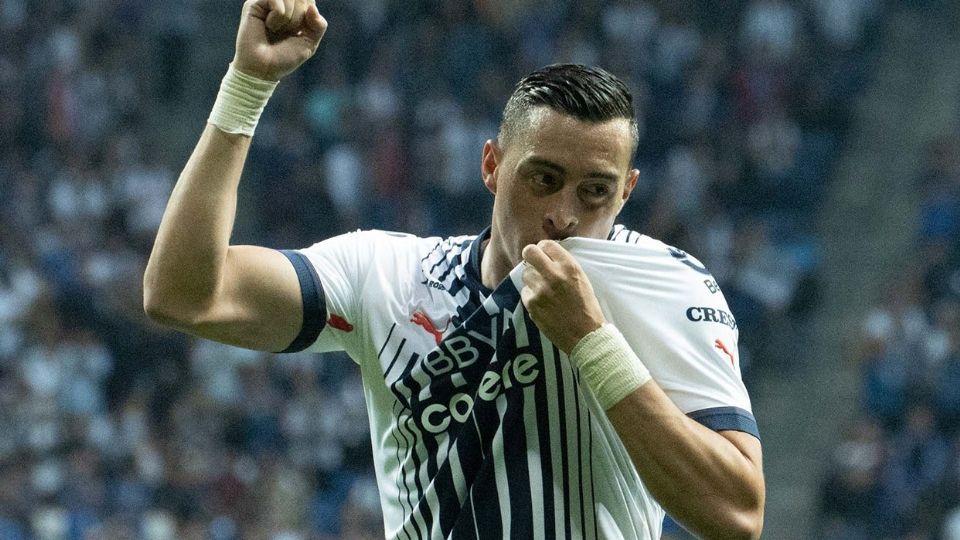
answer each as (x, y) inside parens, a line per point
(504, 400)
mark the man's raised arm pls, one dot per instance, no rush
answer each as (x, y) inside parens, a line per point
(194, 280)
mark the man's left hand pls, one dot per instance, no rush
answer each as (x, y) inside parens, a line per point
(558, 295)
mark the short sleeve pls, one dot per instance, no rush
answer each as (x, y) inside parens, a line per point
(313, 300)
(332, 274)
(673, 314)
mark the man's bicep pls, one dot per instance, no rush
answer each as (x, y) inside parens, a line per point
(750, 447)
(747, 443)
(259, 305)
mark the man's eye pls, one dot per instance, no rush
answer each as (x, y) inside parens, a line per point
(544, 179)
(598, 190)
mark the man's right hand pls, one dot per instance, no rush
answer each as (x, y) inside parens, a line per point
(276, 36)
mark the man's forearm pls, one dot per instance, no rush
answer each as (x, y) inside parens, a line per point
(699, 476)
(711, 482)
(195, 281)
(187, 260)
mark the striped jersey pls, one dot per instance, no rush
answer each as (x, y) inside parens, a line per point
(480, 426)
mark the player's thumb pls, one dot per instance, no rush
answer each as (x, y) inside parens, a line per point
(315, 25)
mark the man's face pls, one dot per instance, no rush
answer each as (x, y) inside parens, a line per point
(557, 178)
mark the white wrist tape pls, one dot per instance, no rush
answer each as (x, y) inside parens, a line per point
(608, 365)
(240, 102)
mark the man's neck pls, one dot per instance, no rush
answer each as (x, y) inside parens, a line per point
(494, 264)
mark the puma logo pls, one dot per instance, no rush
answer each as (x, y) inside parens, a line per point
(338, 322)
(720, 345)
(420, 319)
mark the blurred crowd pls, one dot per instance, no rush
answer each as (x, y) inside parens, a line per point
(896, 474)
(115, 428)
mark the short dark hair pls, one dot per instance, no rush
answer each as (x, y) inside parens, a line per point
(586, 93)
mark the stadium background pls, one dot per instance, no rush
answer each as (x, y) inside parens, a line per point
(806, 151)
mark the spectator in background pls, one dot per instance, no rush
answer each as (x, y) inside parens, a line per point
(844, 22)
(851, 494)
(772, 27)
(910, 370)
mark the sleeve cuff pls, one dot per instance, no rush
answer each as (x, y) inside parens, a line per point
(314, 302)
(727, 419)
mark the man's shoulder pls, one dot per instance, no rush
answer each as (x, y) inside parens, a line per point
(379, 238)
(623, 235)
(646, 250)
(428, 254)
(640, 242)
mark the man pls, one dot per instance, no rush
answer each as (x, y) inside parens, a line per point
(502, 401)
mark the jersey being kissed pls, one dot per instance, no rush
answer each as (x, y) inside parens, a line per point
(480, 426)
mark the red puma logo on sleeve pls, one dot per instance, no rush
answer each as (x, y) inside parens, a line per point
(720, 345)
(340, 323)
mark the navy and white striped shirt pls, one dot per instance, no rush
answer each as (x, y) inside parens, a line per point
(480, 426)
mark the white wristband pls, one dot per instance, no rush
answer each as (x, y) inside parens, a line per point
(240, 102)
(608, 365)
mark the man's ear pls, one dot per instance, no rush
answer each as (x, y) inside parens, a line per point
(628, 186)
(489, 163)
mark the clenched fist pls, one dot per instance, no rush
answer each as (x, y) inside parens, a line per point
(276, 36)
(558, 295)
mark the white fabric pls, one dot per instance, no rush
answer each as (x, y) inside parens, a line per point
(646, 293)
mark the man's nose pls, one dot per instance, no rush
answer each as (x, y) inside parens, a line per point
(560, 220)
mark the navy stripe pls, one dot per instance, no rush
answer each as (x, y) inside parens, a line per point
(486, 421)
(466, 526)
(564, 442)
(727, 419)
(401, 486)
(389, 335)
(397, 355)
(544, 427)
(442, 255)
(449, 504)
(467, 440)
(453, 257)
(422, 507)
(580, 467)
(454, 287)
(518, 473)
(314, 302)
